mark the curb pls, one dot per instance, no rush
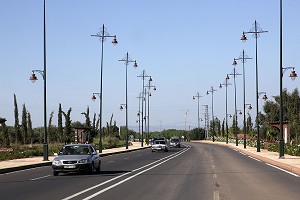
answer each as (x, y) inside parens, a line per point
(48, 163)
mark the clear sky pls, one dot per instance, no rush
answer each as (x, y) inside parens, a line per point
(186, 46)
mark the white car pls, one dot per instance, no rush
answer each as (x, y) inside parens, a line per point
(159, 145)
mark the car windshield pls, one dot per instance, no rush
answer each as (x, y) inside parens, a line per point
(174, 140)
(75, 150)
(160, 142)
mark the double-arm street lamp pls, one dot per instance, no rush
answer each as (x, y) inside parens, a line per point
(234, 74)
(226, 104)
(243, 57)
(102, 35)
(212, 110)
(127, 60)
(198, 97)
(256, 31)
(33, 78)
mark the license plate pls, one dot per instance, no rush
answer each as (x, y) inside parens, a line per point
(69, 166)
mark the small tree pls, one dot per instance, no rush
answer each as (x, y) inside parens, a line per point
(24, 125)
(60, 133)
(30, 130)
(68, 129)
(17, 125)
(51, 135)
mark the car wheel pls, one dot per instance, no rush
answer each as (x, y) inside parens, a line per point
(55, 173)
(98, 168)
(91, 168)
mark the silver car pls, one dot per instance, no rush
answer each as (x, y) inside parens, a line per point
(76, 158)
(159, 145)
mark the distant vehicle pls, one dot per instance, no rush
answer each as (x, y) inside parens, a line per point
(76, 158)
(159, 145)
(175, 142)
(158, 138)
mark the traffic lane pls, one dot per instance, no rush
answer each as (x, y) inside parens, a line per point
(30, 186)
(187, 176)
(239, 176)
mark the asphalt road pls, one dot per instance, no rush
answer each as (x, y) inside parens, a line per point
(197, 171)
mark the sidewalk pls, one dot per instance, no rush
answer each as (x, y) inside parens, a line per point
(26, 163)
(290, 163)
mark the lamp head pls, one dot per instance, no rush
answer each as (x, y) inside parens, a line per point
(243, 38)
(293, 75)
(114, 41)
(220, 86)
(234, 63)
(33, 77)
(227, 77)
(93, 97)
(265, 97)
(135, 64)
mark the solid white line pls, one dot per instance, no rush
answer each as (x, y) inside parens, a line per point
(22, 170)
(34, 179)
(216, 195)
(91, 188)
(131, 177)
(254, 158)
(242, 153)
(296, 175)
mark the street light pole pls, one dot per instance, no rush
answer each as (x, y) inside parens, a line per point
(212, 109)
(243, 57)
(198, 97)
(256, 30)
(149, 94)
(102, 35)
(143, 76)
(226, 85)
(235, 110)
(127, 60)
(33, 78)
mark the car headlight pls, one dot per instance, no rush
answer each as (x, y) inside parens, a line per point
(82, 161)
(56, 162)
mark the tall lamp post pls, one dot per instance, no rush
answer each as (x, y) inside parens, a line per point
(102, 35)
(149, 86)
(226, 102)
(33, 78)
(212, 109)
(127, 60)
(234, 74)
(143, 76)
(198, 97)
(243, 57)
(256, 31)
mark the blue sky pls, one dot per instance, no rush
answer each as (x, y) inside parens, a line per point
(186, 46)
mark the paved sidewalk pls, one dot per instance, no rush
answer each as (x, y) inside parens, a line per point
(26, 163)
(290, 163)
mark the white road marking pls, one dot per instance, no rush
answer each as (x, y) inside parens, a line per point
(242, 153)
(126, 158)
(139, 154)
(131, 177)
(214, 176)
(110, 161)
(216, 195)
(34, 179)
(296, 175)
(91, 188)
(254, 158)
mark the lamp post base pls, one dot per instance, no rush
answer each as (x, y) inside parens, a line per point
(45, 151)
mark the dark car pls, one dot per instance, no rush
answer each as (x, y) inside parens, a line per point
(175, 142)
(76, 158)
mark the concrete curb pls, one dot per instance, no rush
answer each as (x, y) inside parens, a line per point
(48, 163)
(279, 164)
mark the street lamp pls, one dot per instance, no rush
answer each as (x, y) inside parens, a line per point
(234, 74)
(33, 78)
(139, 112)
(226, 102)
(149, 86)
(102, 34)
(243, 57)
(198, 97)
(127, 60)
(143, 76)
(212, 109)
(256, 30)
